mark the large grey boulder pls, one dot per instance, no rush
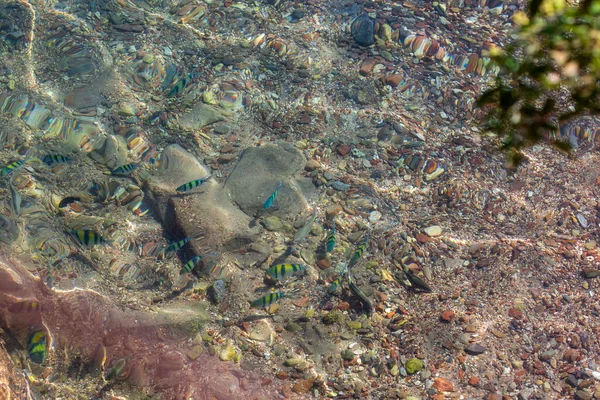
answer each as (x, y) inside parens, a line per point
(258, 173)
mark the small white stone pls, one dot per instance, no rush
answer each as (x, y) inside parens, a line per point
(433, 231)
(374, 216)
(167, 52)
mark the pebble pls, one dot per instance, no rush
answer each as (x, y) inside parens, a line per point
(443, 385)
(362, 30)
(311, 165)
(261, 331)
(393, 80)
(222, 129)
(475, 349)
(343, 149)
(433, 231)
(347, 354)
(413, 366)
(272, 223)
(447, 315)
(195, 352)
(591, 273)
(341, 186)
(332, 211)
(303, 386)
(374, 216)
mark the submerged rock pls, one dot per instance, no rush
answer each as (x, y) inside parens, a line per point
(258, 173)
(200, 116)
(362, 30)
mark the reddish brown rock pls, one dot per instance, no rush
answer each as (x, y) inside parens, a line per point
(343, 150)
(324, 263)
(304, 119)
(422, 238)
(515, 313)
(393, 80)
(303, 386)
(443, 385)
(447, 316)
(473, 381)
(367, 66)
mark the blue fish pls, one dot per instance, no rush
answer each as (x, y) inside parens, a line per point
(273, 196)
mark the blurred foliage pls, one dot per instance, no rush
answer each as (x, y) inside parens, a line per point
(549, 73)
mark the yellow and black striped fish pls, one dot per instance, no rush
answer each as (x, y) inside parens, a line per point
(186, 187)
(124, 169)
(180, 85)
(36, 345)
(267, 300)
(358, 293)
(330, 241)
(180, 243)
(54, 159)
(282, 271)
(26, 307)
(9, 168)
(273, 196)
(337, 283)
(189, 266)
(359, 251)
(87, 237)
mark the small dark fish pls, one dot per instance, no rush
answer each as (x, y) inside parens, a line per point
(117, 369)
(186, 187)
(180, 243)
(359, 251)
(9, 168)
(281, 271)
(68, 200)
(15, 196)
(54, 159)
(273, 196)
(189, 266)
(330, 241)
(267, 300)
(36, 345)
(124, 169)
(415, 281)
(358, 293)
(87, 237)
(180, 85)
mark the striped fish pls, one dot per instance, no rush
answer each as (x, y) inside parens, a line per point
(87, 237)
(273, 196)
(330, 241)
(180, 85)
(282, 271)
(36, 345)
(186, 187)
(189, 266)
(26, 307)
(9, 168)
(176, 245)
(358, 293)
(54, 159)
(359, 251)
(338, 281)
(124, 169)
(267, 300)
(415, 281)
